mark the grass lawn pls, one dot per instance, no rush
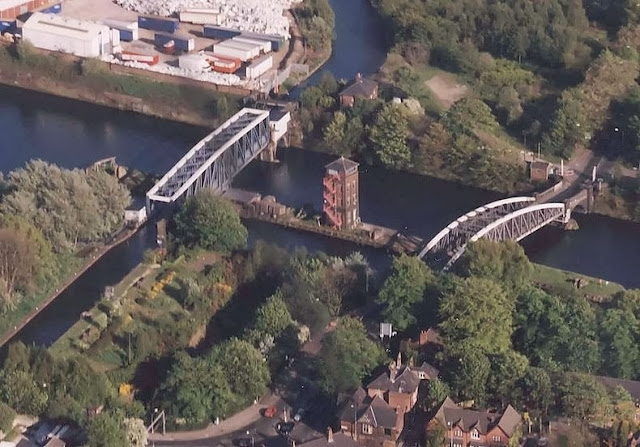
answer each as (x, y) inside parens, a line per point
(562, 282)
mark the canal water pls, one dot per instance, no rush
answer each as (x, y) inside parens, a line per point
(73, 134)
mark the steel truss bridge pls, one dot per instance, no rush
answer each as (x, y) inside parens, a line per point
(509, 219)
(214, 161)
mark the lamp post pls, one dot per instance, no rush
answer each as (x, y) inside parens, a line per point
(355, 417)
(449, 433)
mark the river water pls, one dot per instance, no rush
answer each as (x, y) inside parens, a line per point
(74, 135)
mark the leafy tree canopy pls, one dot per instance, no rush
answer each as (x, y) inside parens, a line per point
(208, 221)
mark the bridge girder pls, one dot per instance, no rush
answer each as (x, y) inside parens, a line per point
(214, 161)
(509, 219)
(457, 232)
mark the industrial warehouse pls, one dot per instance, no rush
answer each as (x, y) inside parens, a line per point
(193, 44)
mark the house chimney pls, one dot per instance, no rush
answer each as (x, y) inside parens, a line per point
(329, 435)
(399, 360)
(392, 372)
(358, 77)
(411, 361)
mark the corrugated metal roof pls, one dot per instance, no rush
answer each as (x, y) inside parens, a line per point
(52, 23)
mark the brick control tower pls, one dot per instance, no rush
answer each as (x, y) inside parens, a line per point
(341, 204)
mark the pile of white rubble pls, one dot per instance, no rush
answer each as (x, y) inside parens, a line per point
(260, 16)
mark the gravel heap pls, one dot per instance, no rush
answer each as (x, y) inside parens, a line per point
(260, 16)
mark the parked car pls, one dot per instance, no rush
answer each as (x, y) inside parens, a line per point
(244, 442)
(285, 428)
(269, 412)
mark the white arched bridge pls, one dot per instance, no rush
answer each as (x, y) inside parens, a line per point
(508, 219)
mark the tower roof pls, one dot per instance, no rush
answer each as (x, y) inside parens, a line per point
(342, 165)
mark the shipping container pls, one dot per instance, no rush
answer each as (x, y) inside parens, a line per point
(253, 49)
(276, 40)
(149, 59)
(201, 16)
(158, 24)
(259, 67)
(55, 9)
(127, 35)
(182, 43)
(216, 32)
(120, 24)
(8, 26)
(223, 64)
(265, 45)
(194, 62)
(232, 52)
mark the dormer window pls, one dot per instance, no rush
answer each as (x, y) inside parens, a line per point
(475, 434)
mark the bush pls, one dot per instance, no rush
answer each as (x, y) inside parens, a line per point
(7, 416)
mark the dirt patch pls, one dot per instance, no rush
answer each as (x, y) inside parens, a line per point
(203, 260)
(446, 90)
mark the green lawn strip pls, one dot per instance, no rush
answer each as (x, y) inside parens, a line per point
(562, 282)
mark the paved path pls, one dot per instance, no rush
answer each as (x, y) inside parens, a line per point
(238, 421)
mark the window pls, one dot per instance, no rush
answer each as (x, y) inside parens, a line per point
(387, 432)
(457, 444)
(495, 438)
(475, 434)
(348, 200)
(367, 429)
(458, 433)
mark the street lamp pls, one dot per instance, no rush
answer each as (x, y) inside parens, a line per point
(450, 435)
(355, 418)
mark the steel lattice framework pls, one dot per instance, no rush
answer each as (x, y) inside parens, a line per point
(512, 219)
(216, 159)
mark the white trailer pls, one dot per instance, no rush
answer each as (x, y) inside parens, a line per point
(259, 67)
(55, 33)
(201, 16)
(242, 52)
(253, 49)
(265, 45)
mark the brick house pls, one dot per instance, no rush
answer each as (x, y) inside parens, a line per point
(399, 384)
(331, 440)
(361, 88)
(371, 421)
(475, 428)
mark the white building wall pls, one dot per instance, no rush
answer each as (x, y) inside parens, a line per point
(65, 44)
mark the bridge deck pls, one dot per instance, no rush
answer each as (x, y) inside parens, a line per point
(190, 167)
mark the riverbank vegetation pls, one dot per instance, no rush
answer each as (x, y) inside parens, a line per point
(50, 219)
(167, 335)
(493, 81)
(90, 80)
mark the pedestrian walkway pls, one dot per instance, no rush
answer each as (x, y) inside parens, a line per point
(233, 424)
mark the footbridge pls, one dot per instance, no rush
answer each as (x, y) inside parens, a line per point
(514, 218)
(216, 159)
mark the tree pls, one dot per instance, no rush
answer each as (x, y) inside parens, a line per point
(106, 430)
(250, 376)
(210, 222)
(348, 355)
(19, 262)
(504, 262)
(436, 436)
(389, 137)
(618, 335)
(537, 389)
(67, 206)
(466, 370)
(479, 311)
(273, 316)
(437, 391)
(7, 416)
(507, 368)
(136, 432)
(582, 396)
(20, 391)
(197, 389)
(334, 133)
(403, 289)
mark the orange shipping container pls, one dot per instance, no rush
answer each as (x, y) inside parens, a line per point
(223, 64)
